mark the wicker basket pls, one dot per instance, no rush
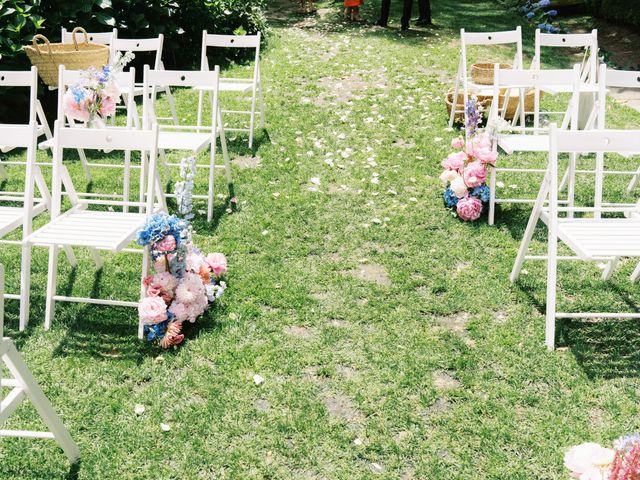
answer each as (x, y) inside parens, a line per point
(482, 73)
(76, 56)
(482, 100)
(514, 100)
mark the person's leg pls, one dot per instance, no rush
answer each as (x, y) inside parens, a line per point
(384, 13)
(406, 14)
(425, 12)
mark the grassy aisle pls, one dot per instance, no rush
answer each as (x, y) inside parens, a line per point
(391, 342)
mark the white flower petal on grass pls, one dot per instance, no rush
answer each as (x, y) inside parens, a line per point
(165, 427)
(375, 180)
(413, 199)
(265, 232)
(276, 194)
(315, 180)
(500, 184)
(358, 441)
(437, 139)
(376, 221)
(139, 409)
(258, 379)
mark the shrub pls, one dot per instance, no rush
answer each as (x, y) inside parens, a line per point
(617, 10)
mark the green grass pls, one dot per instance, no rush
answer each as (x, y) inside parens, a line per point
(438, 370)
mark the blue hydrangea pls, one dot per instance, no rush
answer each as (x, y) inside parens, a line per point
(625, 443)
(482, 192)
(530, 15)
(450, 199)
(158, 226)
(552, 13)
(156, 331)
(542, 4)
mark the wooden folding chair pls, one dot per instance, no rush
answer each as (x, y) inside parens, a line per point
(512, 37)
(24, 386)
(236, 85)
(591, 239)
(85, 226)
(192, 138)
(516, 84)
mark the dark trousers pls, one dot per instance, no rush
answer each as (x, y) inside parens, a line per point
(423, 5)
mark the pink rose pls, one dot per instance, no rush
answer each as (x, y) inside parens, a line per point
(167, 244)
(486, 155)
(455, 161)
(475, 174)
(154, 290)
(152, 310)
(469, 208)
(108, 106)
(457, 142)
(217, 263)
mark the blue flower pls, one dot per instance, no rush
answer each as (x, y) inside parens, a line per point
(542, 3)
(482, 192)
(552, 13)
(156, 331)
(450, 199)
(530, 15)
(158, 226)
(627, 442)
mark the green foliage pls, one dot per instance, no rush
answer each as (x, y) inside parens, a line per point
(617, 10)
(18, 23)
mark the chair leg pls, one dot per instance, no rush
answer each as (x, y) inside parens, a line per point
(145, 271)
(634, 181)
(127, 179)
(454, 103)
(636, 273)
(43, 120)
(571, 185)
(252, 118)
(225, 151)
(212, 168)
(262, 110)
(172, 105)
(492, 196)
(200, 107)
(550, 327)
(610, 268)
(25, 286)
(51, 286)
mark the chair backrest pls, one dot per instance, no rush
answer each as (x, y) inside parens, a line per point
(68, 78)
(28, 79)
(140, 45)
(177, 78)
(23, 136)
(609, 78)
(102, 38)
(586, 41)
(231, 41)
(524, 80)
(145, 141)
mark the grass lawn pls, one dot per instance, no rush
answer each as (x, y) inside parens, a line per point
(390, 339)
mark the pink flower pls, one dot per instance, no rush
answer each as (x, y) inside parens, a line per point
(455, 161)
(166, 281)
(154, 290)
(588, 460)
(160, 265)
(217, 263)
(475, 174)
(73, 109)
(457, 142)
(458, 187)
(486, 155)
(194, 262)
(108, 106)
(167, 244)
(152, 310)
(190, 289)
(172, 336)
(469, 208)
(179, 311)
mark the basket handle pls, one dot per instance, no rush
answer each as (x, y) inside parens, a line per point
(75, 40)
(36, 45)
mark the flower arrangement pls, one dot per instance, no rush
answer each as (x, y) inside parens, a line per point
(96, 95)
(591, 461)
(537, 15)
(465, 170)
(185, 281)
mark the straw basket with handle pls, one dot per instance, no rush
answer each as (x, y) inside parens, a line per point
(482, 73)
(74, 56)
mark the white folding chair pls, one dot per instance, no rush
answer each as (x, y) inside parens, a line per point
(28, 79)
(516, 83)
(617, 79)
(101, 38)
(237, 85)
(24, 386)
(512, 37)
(591, 239)
(12, 216)
(196, 138)
(148, 45)
(80, 226)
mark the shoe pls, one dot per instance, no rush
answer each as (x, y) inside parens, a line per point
(421, 22)
(404, 27)
(381, 23)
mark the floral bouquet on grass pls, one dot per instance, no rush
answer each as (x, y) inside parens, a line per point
(591, 461)
(95, 96)
(185, 281)
(464, 178)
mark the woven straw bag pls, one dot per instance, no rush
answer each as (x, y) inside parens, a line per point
(482, 73)
(76, 56)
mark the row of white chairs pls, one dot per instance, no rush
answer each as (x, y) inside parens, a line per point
(243, 86)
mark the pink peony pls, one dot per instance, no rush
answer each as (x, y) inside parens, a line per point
(190, 289)
(455, 161)
(458, 187)
(486, 155)
(194, 262)
(475, 174)
(152, 310)
(73, 109)
(166, 281)
(469, 208)
(179, 311)
(108, 106)
(457, 142)
(167, 244)
(217, 263)
(588, 461)
(448, 176)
